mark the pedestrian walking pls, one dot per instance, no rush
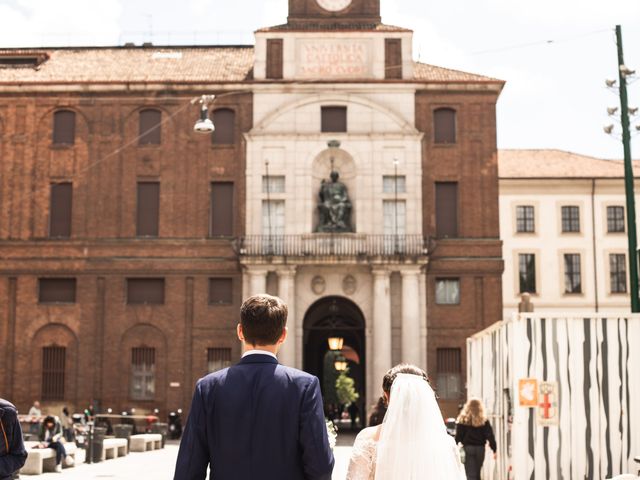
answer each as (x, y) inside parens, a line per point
(12, 451)
(473, 431)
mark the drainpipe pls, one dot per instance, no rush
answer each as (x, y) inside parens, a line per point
(593, 241)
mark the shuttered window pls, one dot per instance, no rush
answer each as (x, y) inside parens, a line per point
(143, 373)
(56, 290)
(449, 373)
(334, 119)
(218, 358)
(525, 219)
(446, 209)
(150, 127)
(60, 210)
(220, 291)
(444, 125)
(53, 370)
(145, 291)
(221, 209)
(273, 184)
(148, 209)
(570, 219)
(64, 127)
(224, 121)
(572, 275)
(394, 184)
(527, 272)
(393, 58)
(275, 55)
(618, 272)
(615, 219)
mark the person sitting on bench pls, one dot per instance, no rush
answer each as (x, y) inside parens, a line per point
(50, 437)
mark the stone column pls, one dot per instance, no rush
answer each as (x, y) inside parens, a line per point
(424, 311)
(411, 315)
(257, 281)
(381, 323)
(287, 292)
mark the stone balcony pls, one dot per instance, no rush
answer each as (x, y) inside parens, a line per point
(338, 245)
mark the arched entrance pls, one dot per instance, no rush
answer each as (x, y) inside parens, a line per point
(336, 317)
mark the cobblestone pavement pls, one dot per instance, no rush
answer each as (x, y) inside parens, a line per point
(160, 464)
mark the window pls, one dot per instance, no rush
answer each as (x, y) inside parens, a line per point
(394, 225)
(60, 210)
(220, 291)
(145, 291)
(446, 210)
(393, 58)
(143, 373)
(527, 272)
(447, 291)
(618, 272)
(615, 219)
(572, 277)
(148, 209)
(53, 366)
(444, 126)
(224, 121)
(449, 373)
(150, 127)
(525, 219)
(273, 184)
(570, 219)
(218, 358)
(64, 127)
(273, 224)
(390, 183)
(334, 119)
(57, 290)
(274, 58)
(221, 209)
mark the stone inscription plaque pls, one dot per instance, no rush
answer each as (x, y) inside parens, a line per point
(333, 58)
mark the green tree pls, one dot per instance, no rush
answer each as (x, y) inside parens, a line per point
(345, 388)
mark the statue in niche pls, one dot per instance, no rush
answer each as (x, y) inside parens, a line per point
(334, 206)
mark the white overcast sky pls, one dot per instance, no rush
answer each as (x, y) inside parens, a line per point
(554, 54)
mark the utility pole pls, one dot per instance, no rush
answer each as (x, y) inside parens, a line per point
(628, 177)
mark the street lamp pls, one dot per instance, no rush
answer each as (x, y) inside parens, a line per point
(204, 124)
(335, 343)
(340, 364)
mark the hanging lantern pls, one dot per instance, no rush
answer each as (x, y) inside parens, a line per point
(336, 343)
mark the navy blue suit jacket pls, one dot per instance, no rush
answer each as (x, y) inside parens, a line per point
(256, 420)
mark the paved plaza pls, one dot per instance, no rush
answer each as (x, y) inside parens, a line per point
(160, 464)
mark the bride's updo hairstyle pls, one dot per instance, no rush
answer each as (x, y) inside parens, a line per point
(472, 413)
(407, 368)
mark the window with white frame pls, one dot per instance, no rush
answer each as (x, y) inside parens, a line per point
(572, 274)
(391, 182)
(570, 219)
(618, 272)
(615, 219)
(273, 218)
(273, 184)
(527, 272)
(394, 224)
(525, 219)
(447, 291)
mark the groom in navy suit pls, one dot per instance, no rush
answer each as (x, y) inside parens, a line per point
(257, 419)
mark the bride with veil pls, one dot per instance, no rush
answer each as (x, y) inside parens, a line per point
(412, 443)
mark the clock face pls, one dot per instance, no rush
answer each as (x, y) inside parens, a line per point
(334, 5)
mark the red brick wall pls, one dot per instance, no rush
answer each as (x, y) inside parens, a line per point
(104, 165)
(476, 256)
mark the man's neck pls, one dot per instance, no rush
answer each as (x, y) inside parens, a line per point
(273, 349)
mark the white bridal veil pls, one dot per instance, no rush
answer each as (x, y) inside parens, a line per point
(414, 444)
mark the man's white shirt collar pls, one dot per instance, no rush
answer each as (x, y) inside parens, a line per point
(258, 352)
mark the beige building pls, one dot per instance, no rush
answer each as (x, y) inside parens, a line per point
(563, 224)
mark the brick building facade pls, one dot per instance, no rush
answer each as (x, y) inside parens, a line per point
(127, 241)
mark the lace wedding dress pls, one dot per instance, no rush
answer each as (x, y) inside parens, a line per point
(411, 444)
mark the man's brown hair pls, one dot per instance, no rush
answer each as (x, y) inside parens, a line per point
(263, 319)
